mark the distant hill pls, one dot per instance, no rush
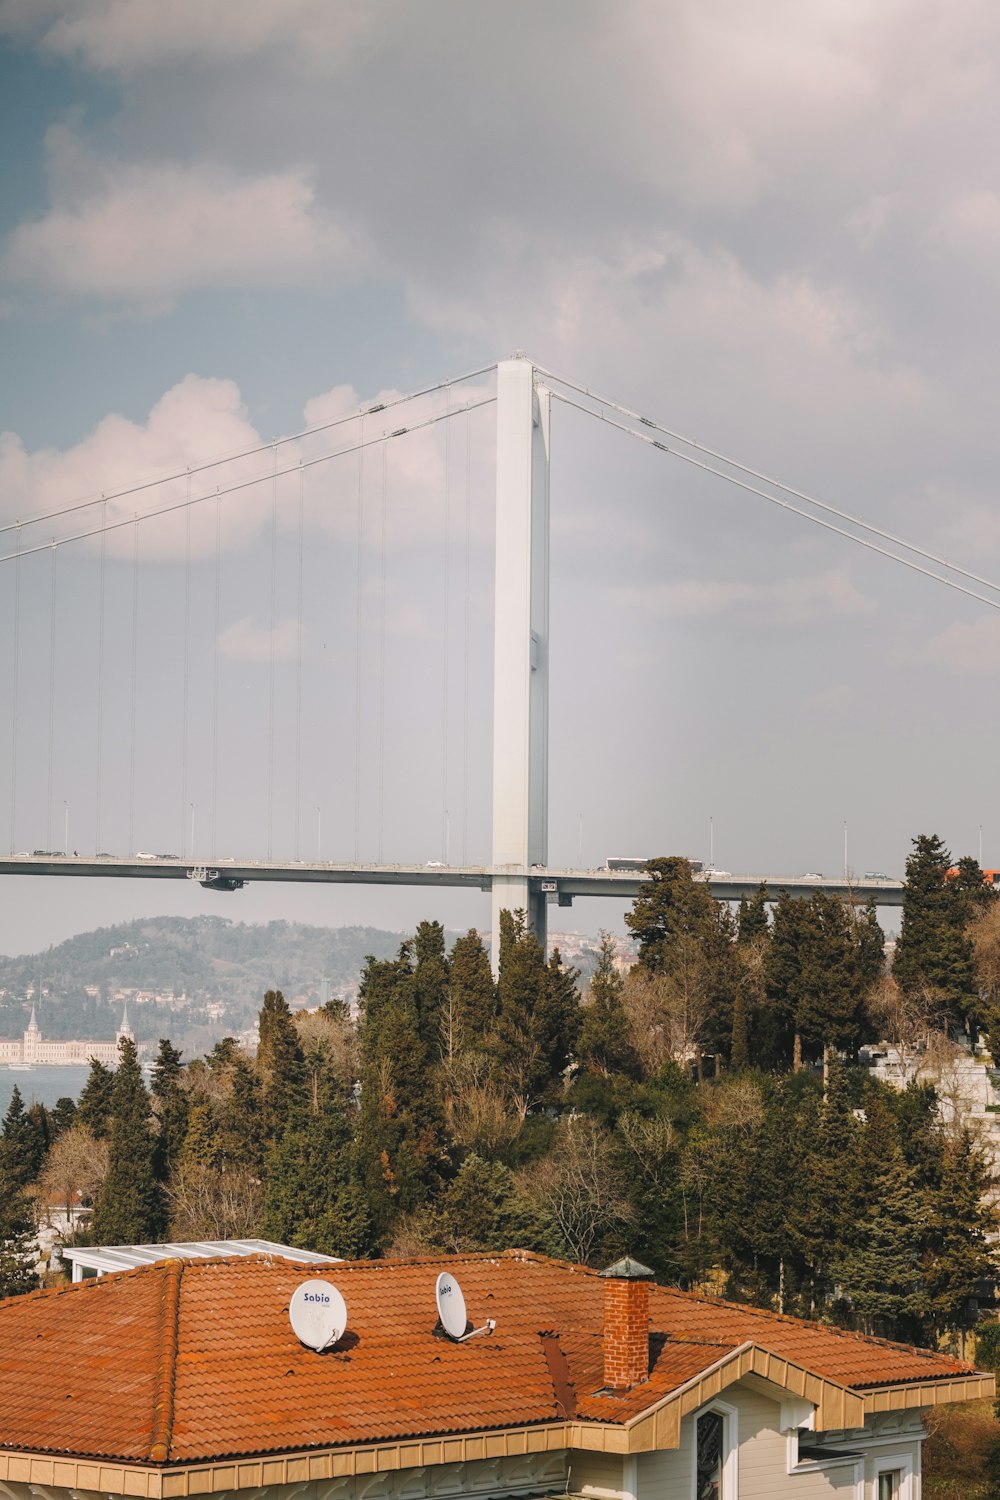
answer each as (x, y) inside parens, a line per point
(222, 968)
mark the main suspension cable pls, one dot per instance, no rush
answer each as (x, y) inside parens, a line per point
(778, 484)
(244, 484)
(784, 504)
(251, 452)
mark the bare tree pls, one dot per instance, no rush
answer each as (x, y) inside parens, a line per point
(209, 1204)
(667, 1012)
(73, 1172)
(579, 1184)
(483, 1117)
(907, 1019)
(329, 1045)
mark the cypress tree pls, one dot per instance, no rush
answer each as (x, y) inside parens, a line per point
(522, 989)
(430, 984)
(604, 1045)
(94, 1107)
(280, 1066)
(17, 1253)
(472, 995)
(399, 1143)
(311, 1198)
(240, 1142)
(23, 1144)
(170, 1104)
(62, 1115)
(129, 1207)
(751, 918)
(959, 1257)
(934, 952)
(880, 1267)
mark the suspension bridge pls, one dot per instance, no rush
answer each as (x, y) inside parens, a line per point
(206, 648)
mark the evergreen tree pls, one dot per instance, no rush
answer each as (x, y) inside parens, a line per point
(23, 1144)
(752, 919)
(17, 1253)
(171, 1106)
(472, 995)
(521, 990)
(280, 1066)
(880, 1267)
(958, 1256)
(604, 1045)
(311, 1198)
(833, 1192)
(240, 1140)
(482, 1210)
(687, 938)
(129, 1207)
(62, 1115)
(399, 1146)
(934, 952)
(94, 1107)
(430, 985)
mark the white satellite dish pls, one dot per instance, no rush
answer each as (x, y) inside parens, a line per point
(318, 1314)
(451, 1306)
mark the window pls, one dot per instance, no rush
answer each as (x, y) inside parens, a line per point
(890, 1483)
(709, 1444)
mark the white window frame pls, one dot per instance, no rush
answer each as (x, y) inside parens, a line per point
(730, 1448)
(909, 1485)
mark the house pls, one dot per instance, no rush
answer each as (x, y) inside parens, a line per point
(185, 1378)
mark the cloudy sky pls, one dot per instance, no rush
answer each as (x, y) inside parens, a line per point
(775, 227)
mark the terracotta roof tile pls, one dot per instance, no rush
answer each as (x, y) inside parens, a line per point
(180, 1362)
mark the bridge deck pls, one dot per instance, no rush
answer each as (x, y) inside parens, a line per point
(557, 883)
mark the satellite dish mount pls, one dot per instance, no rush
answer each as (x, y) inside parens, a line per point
(452, 1311)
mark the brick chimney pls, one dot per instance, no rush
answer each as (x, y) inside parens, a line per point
(626, 1324)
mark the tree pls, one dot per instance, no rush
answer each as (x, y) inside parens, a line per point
(687, 938)
(472, 996)
(400, 1148)
(74, 1170)
(604, 1045)
(430, 984)
(582, 1189)
(879, 1267)
(311, 1198)
(23, 1144)
(94, 1107)
(280, 1066)
(481, 1209)
(958, 1256)
(170, 1102)
(129, 1207)
(934, 952)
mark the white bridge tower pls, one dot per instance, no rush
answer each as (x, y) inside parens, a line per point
(521, 649)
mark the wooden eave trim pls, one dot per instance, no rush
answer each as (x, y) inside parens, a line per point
(929, 1393)
(166, 1481)
(658, 1427)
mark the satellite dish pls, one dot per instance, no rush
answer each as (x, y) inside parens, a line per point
(318, 1314)
(451, 1306)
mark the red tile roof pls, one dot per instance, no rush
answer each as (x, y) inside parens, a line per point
(187, 1361)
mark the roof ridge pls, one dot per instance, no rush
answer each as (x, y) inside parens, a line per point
(848, 1334)
(166, 1369)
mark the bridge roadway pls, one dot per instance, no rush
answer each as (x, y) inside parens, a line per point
(559, 886)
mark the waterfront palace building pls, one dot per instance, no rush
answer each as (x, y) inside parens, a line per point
(33, 1048)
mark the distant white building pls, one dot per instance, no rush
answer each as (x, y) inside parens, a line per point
(34, 1049)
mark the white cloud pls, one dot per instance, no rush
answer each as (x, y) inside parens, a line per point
(788, 601)
(145, 232)
(194, 421)
(968, 649)
(126, 35)
(246, 641)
